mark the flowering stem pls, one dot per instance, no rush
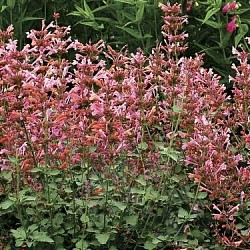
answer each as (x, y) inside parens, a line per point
(221, 38)
(106, 198)
(19, 212)
(29, 143)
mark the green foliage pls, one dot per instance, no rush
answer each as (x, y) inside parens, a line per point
(141, 213)
(23, 14)
(208, 34)
(118, 22)
(121, 22)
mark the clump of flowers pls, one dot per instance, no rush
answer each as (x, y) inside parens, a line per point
(59, 113)
(218, 151)
(230, 7)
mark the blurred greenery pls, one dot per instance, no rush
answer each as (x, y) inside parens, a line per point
(207, 33)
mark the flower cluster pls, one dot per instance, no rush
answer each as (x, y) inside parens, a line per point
(218, 151)
(230, 7)
(227, 9)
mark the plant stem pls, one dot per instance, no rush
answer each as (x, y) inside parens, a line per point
(29, 143)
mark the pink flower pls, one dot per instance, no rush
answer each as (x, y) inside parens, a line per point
(229, 7)
(189, 5)
(56, 15)
(233, 5)
(226, 8)
(231, 26)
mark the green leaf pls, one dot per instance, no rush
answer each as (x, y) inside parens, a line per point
(11, 3)
(102, 238)
(6, 175)
(3, 8)
(29, 198)
(225, 39)
(196, 233)
(82, 244)
(37, 170)
(190, 195)
(104, 19)
(120, 205)
(80, 12)
(170, 152)
(140, 11)
(156, 241)
(74, 13)
(210, 13)
(18, 243)
(6, 204)
(178, 169)
(13, 160)
(150, 194)
(202, 195)
(162, 238)
(193, 242)
(94, 177)
(142, 181)
(245, 232)
(68, 190)
(29, 18)
(182, 213)
(241, 10)
(101, 8)
(143, 145)
(242, 31)
(54, 172)
(29, 244)
(88, 10)
(32, 228)
(113, 248)
(44, 222)
(30, 211)
(58, 219)
(93, 25)
(131, 2)
(149, 245)
(130, 17)
(131, 219)
(135, 33)
(181, 238)
(137, 191)
(92, 149)
(212, 24)
(240, 226)
(177, 109)
(212, 52)
(84, 218)
(42, 237)
(19, 233)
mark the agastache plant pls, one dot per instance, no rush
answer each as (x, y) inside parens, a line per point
(217, 151)
(59, 113)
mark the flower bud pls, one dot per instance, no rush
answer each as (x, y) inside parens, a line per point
(231, 26)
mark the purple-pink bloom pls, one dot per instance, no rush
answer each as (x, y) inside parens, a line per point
(233, 5)
(231, 26)
(229, 7)
(226, 8)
